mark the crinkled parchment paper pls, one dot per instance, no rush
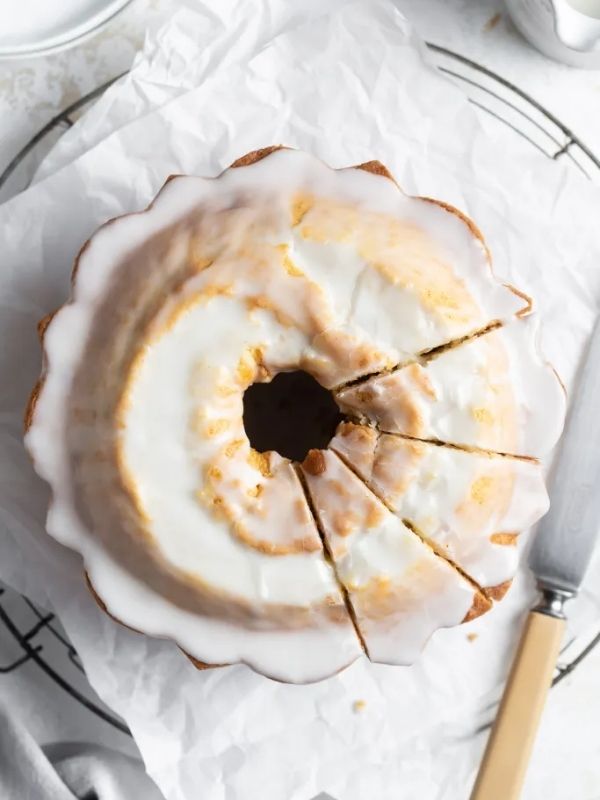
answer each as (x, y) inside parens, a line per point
(349, 82)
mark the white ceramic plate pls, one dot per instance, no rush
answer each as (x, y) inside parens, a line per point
(37, 27)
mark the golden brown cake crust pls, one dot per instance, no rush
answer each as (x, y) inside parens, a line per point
(377, 168)
(198, 664)
(31, 403)
(463, 217)
(497, 592)
(481, 603)
(478, 235)
(257, 155)
(201, 664)
(30, 408)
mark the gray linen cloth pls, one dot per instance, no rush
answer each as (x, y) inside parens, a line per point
(66, 770)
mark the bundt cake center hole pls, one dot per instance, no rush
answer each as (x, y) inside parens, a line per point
(292, 415)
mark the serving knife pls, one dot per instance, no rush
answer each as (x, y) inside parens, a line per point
(559, 557)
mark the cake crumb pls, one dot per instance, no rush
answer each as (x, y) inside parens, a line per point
(314, 463)
(492, 22)
(472, 636)
(358, 706)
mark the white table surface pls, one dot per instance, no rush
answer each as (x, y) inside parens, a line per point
(32, 91)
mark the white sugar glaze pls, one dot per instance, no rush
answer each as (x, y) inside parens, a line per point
(401, 592)
(495, 405)
(185, 531)
(470, 506)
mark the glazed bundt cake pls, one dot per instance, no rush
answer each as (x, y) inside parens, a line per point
(289, 416)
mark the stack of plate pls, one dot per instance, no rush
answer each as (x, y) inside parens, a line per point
(36, 27)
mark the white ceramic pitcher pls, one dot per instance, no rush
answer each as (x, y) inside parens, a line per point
(566, 30)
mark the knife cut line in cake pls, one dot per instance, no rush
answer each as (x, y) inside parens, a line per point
(434, 546)
(467, 506)
(329, 556)
(419, 358)
(383, 563)
(493, 407)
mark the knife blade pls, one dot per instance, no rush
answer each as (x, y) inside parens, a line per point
(566, 536)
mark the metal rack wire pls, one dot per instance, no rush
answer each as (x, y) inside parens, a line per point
(37, 634)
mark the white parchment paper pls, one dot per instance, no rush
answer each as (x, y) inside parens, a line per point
(348, 82)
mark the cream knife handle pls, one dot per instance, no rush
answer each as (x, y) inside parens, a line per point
(509, 747)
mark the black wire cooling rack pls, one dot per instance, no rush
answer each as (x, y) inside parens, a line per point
(37, 635)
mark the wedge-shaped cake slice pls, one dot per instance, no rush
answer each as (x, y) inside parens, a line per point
(408, 272)
(469, 506)
(399, 589)
(493, 392)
